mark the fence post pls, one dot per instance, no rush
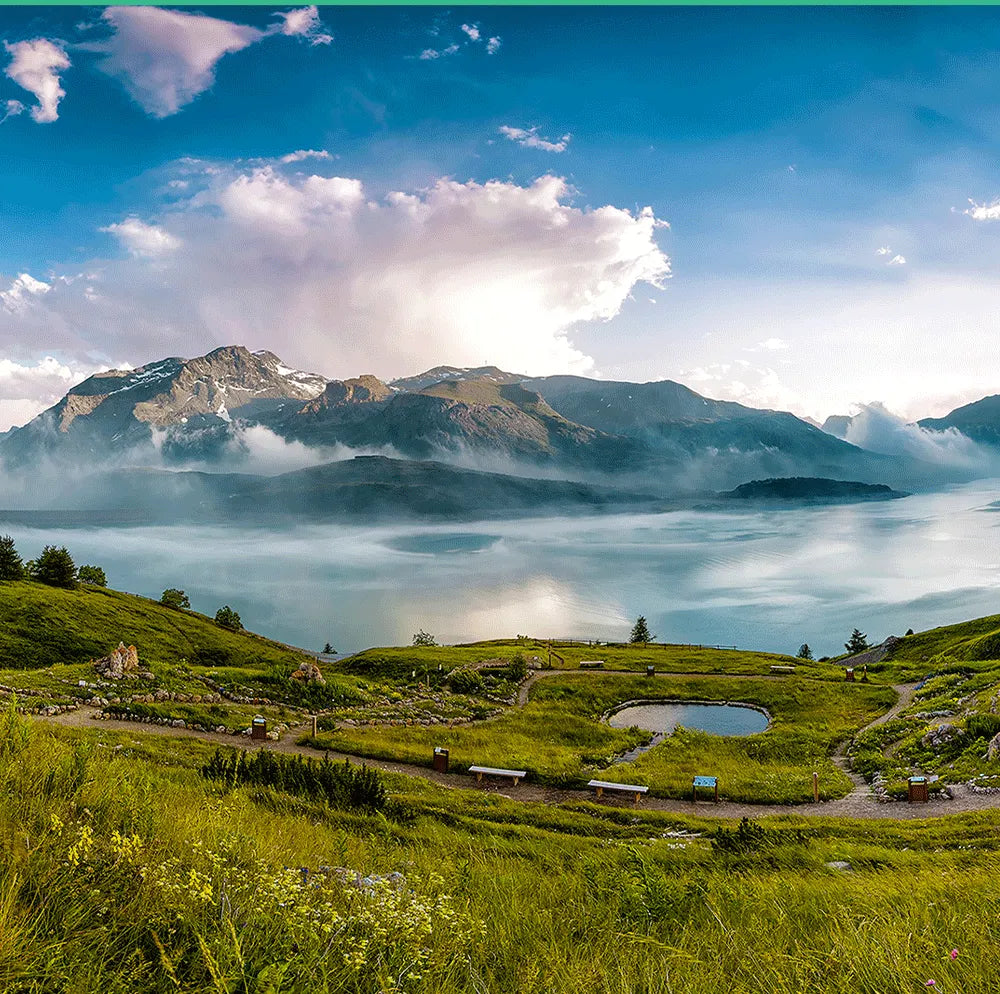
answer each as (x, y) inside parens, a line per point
(816, 787)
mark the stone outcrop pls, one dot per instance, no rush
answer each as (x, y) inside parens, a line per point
(942, 735)
(365, 389)
(874, 655)
(993, 750)
(122, 663)
(309, 672)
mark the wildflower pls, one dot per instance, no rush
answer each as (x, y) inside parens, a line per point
(954, 954)
(931, 983)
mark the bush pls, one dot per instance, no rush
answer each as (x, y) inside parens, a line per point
(55, 567)
(518, 668)
(424, 638)
(983, 726)
(226, 617)
(465, 681)
(93, 575)
(172, 597)
(342, 785)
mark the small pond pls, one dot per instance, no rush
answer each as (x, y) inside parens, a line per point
(662, 719)
(716, 719)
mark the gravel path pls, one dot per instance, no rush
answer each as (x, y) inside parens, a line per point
(860, 803)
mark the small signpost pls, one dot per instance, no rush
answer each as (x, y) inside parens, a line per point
(710, 782)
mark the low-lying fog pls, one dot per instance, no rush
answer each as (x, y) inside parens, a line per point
(758, 579)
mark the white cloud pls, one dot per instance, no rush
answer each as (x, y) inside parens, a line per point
(17, 296)
(430, 53)
(143, 239)
(493, 45)
(35, 66)
(529, 138)
(884, 250)
(304, 22)
(11, 109)
(310, 267)
(770, 345)
(875, 427)
(472, 30)
(27, 389)
(165, 58)
(741, 381)
(897, 260)
(304, 153)
(984, 212)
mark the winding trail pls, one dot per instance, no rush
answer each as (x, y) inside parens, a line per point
(860, 803)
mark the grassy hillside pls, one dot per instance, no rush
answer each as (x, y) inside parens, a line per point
(41, 626)
(122, 870)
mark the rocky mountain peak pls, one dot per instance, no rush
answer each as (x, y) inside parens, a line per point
(364, 389)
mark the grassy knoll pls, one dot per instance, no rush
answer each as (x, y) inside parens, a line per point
(398, 663)
(558, 736)
(123, 870)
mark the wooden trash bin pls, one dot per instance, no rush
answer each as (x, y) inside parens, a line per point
(849, 674)
(650, 670)
(258, 728)
(440, 760)
(918, 790)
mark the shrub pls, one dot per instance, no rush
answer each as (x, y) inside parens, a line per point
(518, 668)
(342, 785)
(983, 726)
(424, 638)
(465, 681)
(172, 597)
(55, 567)
(93, 575)
(226, 617)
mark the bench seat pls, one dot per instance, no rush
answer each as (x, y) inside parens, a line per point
(588, 664)
(493, 771)
(600, 786)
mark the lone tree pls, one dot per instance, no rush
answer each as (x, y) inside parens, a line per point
(93, 575)
(327, 649)
(424, 638)
(11, 564)
(640, 632)
(226, 617)
(55, 567)
(858, 642)
(804, 651)
(172, 597)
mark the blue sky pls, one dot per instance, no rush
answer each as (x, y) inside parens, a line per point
(501, 197)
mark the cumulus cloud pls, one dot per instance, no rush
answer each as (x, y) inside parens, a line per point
(304, 22)
(742, 382)
(143, 239)
(984, 212)
(27, 389)
(529, 138)
(35, 66)
(877, 429)
(165, 58)
(892, 258)
(493, 45)
(330, 279)
(472, 30)
(17, 296)
(897, 260)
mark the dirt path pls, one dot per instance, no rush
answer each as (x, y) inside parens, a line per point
(860, 803)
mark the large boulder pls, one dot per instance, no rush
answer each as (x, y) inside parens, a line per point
(942, 735)
(122, 663)
(309, 672)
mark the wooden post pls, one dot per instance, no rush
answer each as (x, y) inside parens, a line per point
(716, 791)
(816, 787)
(314, 726)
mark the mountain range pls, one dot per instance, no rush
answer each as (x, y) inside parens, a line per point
(658, 439)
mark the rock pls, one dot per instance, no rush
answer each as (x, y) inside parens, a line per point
(993, 750)
(942, 735)
(309, 672)
(123, 662)
(839, 864)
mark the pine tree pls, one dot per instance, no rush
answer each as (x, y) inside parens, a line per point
(858, 642)
(55, 567)
(11, 564)
(640, 632)
(804, 651)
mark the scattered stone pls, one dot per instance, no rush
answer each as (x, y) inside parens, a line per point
(942, 735)
(309, 672)
(839, 864)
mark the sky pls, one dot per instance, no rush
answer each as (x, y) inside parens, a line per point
(795, 208)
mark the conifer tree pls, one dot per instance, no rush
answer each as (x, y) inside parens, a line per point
(640, 632)
(11, 564)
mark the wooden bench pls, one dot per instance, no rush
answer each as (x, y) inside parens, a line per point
(591, 664)
(782, 669)
(710, 782)
(491, 771)
(600, 786)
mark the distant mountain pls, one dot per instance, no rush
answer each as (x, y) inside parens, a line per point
(191, 400)
(813, 489)
(837, 425)
(979, 421)
(440, 374)
(365, 488)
